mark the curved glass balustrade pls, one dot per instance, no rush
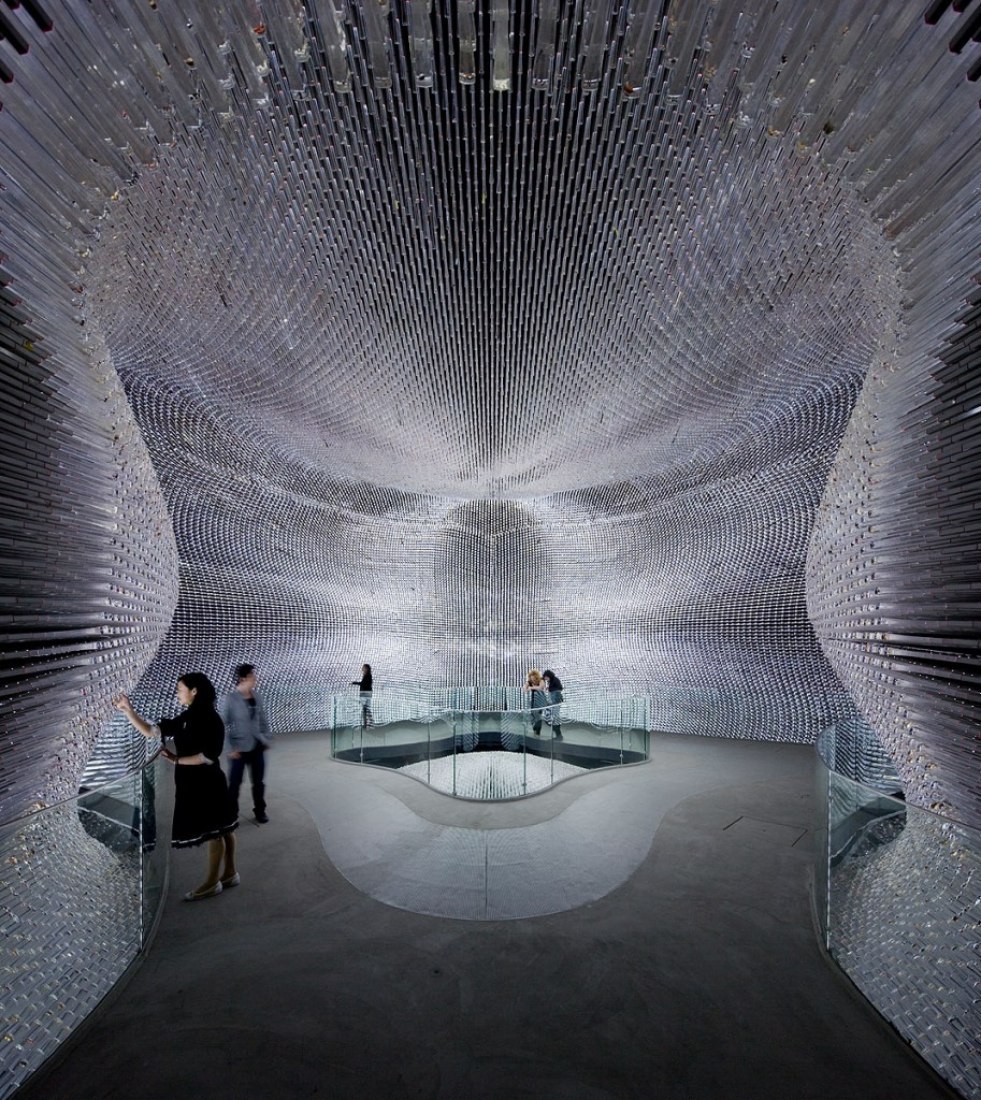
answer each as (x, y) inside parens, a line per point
(484, 742)
(897, 886)
(80, 887)
(897, 892)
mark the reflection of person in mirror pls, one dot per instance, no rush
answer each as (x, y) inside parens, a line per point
(249, 735)
(553, 687)
(536, 699)
(365, 696)
(203, 812)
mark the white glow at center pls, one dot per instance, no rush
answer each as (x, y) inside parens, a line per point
(491, 775)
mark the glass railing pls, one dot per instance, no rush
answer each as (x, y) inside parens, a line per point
(81, 884)
(897, 895)
(484, 742)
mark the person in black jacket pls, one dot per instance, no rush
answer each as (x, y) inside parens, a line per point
(203, 812)
(553, 686)
(365, 695)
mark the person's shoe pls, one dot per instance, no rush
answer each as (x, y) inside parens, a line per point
(197, 895)
(232, 880)
(260, 816)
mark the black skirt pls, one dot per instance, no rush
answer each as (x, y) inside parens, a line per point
(202, 808)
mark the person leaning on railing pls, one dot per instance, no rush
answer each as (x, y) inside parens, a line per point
(536, 699)
(203, 812)
(553, 686)
(365, 695)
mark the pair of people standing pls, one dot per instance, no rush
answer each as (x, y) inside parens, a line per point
(544, 699)
(205, 805)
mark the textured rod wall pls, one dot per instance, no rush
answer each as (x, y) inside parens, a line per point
(90, 571)
(463, 339)
(636, 339)
(386, 302)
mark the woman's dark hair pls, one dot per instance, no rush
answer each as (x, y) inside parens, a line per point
(367, 668)
(554, 683)
(242, 671)
(197, 681)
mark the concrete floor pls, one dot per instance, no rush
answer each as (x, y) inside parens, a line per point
(697, 978)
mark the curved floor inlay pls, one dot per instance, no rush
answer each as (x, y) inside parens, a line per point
(415, 849)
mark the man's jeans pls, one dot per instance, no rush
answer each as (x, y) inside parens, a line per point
(255, 758)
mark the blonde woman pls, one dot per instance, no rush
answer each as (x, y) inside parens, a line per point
(536, 699)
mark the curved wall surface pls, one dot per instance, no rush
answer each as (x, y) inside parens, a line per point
(342, 316)
(637, 340)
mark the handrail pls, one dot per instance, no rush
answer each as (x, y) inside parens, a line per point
(875, 792)
(917, 880)
(83, 792)
(412, 733)
(103, 839)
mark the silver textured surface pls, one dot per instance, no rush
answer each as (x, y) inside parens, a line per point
(640, 340)
(71, 921)
(457, 379)
(905, 924)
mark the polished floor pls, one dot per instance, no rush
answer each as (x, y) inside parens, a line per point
(681, 963)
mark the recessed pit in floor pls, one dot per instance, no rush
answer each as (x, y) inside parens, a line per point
(491, 775)
(490, 755)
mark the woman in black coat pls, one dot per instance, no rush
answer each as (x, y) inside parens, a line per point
(553, 687)
(365, 695)
(203, 812)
